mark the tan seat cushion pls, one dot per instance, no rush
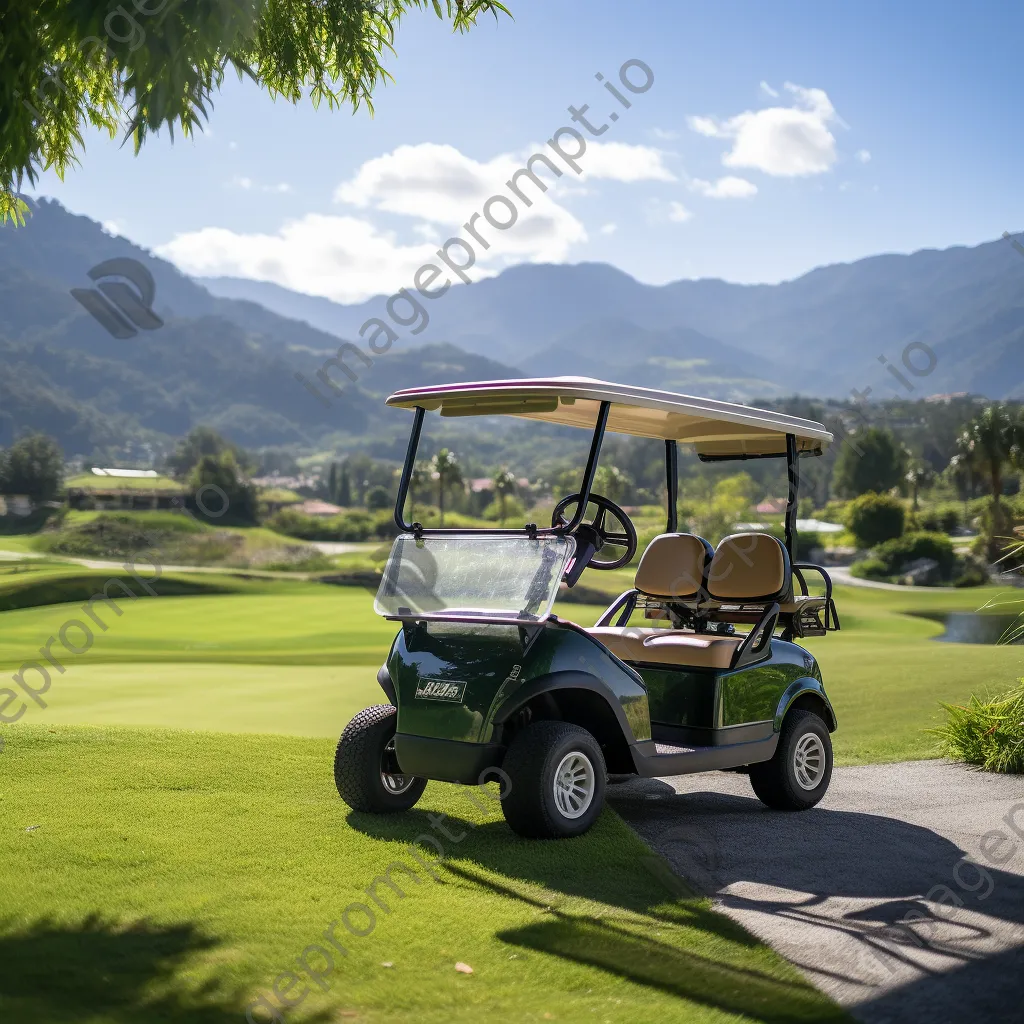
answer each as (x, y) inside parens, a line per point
(748, 567)
(672, 566)
(668, 646)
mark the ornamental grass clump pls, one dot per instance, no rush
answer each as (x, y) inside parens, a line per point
(987, 733)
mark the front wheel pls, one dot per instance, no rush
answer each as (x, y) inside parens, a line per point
(556, 774)
(797, 777)
(366, 770)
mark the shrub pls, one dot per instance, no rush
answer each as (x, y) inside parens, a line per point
(350, 527)
(942, 519)
(900, 551)
(970, 571)
(987, 733)
(835, 511)
(377, 498)
(875, 518)
(870, 569)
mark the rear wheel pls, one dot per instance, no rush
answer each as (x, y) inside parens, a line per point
(556, 775)
(366, 770)
(797, 777)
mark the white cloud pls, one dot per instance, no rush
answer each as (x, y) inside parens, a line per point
(768, 90)
(247, 184)
(703, 126)
(342, 258)
(728, 187)
(678, 213)
(111, 227)
(863, 155)
(665, 134)
(350, 258)
(619, 161)
(788, 142)
(232, 145)
(609, 229)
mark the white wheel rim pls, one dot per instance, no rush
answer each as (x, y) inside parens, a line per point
(394, 782)
(809, 760)
(574, 785)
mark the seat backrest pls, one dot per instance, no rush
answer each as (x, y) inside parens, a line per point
(750, 567)
(673, 566)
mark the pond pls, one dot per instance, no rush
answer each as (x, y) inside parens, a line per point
(974, 627)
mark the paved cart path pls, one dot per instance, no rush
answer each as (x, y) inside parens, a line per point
(869, 893)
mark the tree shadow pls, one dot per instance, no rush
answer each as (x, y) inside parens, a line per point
(599, 867)
(56, 971)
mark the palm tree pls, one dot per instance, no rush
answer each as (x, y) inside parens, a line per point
(504, 481)
(919, 476)
(445, 465)
(420, 475)
(992, 441)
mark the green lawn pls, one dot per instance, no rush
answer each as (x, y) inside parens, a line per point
(176, 876)
(187, 660)
(186, 857)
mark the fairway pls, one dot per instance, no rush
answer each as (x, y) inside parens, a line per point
(301, 658)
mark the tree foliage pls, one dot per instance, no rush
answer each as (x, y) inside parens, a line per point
(33, 466)
(873, 461)
(220, 492)
(132, 67)
(203, 441)
(875, 518)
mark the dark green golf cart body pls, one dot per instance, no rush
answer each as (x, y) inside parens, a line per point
(462, 691)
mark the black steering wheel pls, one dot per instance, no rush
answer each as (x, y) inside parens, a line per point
(593, 536)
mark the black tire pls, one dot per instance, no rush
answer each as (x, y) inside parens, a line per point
(534, 756)
(782, 783)
(365, 750)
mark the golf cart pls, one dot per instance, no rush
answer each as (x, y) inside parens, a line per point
(485, 682)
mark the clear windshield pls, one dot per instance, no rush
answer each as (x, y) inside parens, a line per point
(504, 577)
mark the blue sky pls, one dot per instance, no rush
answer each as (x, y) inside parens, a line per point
(775, 138)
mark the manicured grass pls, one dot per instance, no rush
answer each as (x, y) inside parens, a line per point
(884, 671)
(174, 876)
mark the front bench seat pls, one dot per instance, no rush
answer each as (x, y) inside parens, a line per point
(746, 568)
(673, 568)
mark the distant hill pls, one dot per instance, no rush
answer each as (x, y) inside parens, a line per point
(227, 363)
(820, 334)
(229, 350)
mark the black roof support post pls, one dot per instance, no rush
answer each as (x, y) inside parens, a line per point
(410, 462)
(672, 485)
(591, 470)
(793, 471)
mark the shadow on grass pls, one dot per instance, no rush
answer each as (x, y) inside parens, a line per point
(97, 969)
(600, 867)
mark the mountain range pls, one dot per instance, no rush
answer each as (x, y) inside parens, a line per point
(229, 349)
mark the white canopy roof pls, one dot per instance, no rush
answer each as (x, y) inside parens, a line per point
(713, 428)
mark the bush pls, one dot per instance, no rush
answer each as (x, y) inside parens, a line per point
(377, 498)
(971, 571)
(870, 569)
(942, 519)
(835, 511)
(875, 518)
(350, 527)
(987, 733)
(896, 553)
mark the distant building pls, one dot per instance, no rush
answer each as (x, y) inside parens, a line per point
(123, 490)
(771, 507)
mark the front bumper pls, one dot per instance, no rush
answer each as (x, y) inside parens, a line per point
(446, 760)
